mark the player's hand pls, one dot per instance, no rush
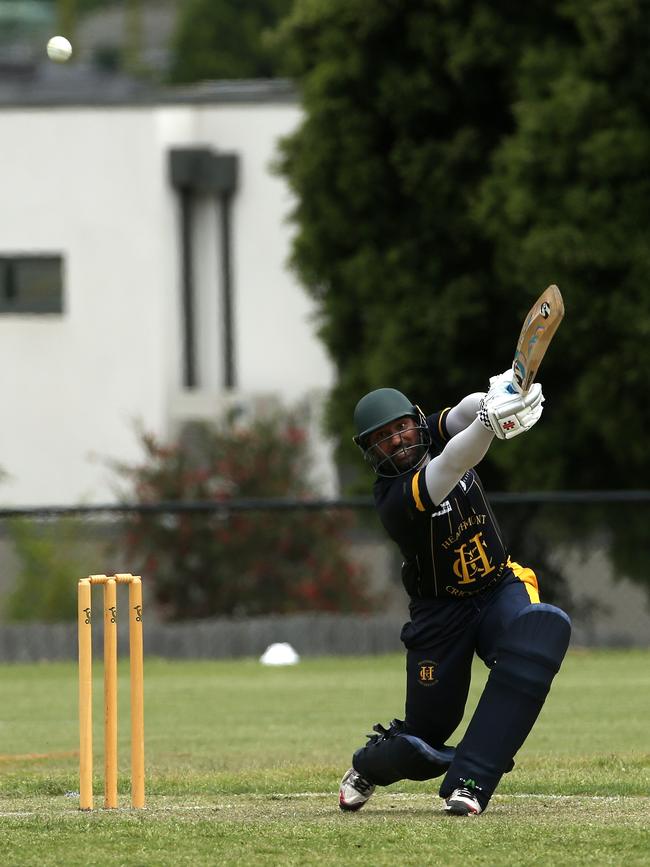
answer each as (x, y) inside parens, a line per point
(502, 383)
(509, 415)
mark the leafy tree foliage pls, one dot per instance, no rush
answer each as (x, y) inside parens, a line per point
(454, 159)
(566, 201)
(225, 39)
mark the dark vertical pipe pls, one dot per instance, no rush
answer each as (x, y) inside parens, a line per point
(227, 301)
(189, 366)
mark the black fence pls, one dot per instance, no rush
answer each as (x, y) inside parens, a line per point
(258, 504)
(243, 573)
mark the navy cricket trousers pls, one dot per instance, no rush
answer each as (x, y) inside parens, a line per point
(441, 639)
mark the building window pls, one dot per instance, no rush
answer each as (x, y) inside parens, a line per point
(31, 284)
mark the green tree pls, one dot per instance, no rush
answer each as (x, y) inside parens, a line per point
(225, 39)
(404, 104)
(454, 159)
(567, 202)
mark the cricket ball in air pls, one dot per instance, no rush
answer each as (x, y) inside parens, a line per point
(59, 49)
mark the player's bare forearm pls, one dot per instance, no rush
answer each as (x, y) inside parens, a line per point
(461, 453)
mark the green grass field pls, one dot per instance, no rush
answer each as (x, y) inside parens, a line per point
(243, 765)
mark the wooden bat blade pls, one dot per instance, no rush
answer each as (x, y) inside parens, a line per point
(539, 326)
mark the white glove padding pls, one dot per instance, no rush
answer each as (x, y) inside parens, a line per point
(508, 415)
(501, 384)
(505, 378)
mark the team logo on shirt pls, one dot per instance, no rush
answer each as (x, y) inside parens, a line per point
(426, 672)
(473, 561)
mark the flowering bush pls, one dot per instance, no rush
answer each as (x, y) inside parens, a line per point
(226, 561)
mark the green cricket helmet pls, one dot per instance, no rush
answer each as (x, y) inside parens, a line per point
(379, 408)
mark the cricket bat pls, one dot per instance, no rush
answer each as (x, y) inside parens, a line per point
(537, 332)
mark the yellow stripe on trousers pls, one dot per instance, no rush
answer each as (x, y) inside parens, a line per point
(529, 579)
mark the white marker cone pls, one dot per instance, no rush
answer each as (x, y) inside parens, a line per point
(279, 654)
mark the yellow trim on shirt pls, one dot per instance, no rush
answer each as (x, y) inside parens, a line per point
(416, 492)
(440, 418)
(528, 578)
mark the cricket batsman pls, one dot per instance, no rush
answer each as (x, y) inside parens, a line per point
(466, 596)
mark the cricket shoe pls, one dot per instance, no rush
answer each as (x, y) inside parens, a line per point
(354, 791)
(463, 802)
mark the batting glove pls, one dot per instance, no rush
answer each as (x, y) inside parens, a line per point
(507, 415)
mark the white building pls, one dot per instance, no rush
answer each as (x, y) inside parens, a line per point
(115, 274)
